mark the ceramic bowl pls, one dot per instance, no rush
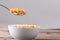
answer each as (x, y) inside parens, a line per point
(23, 33)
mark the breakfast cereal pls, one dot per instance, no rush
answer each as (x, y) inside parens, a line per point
(17, 11)
(26, 26)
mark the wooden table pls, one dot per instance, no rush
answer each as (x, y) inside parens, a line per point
(43, 35)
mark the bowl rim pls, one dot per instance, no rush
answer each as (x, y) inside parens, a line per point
(12, 26)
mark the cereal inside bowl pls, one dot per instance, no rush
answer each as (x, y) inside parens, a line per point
(26, 26)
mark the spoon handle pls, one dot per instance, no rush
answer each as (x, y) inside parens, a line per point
(5, 7)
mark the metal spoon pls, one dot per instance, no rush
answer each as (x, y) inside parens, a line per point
(9, 9)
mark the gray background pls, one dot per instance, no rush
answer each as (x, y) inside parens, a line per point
(45, 13)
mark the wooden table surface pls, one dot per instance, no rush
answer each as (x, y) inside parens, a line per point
(43, 35)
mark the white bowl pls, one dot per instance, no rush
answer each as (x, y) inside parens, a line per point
(23, 33)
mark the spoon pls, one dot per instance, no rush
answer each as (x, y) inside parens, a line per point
(19, 12)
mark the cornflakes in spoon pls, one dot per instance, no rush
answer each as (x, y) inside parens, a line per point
(17, 11)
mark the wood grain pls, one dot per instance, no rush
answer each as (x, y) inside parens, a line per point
(43, 35)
